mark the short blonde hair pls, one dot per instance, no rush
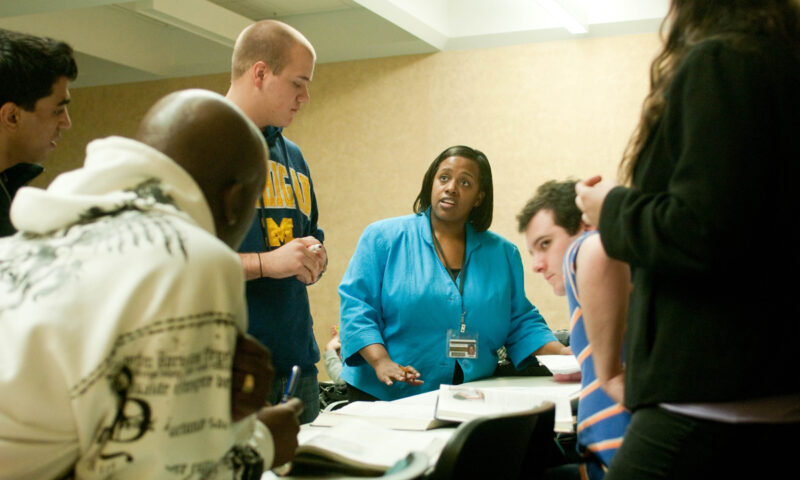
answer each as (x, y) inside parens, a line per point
(268, 41)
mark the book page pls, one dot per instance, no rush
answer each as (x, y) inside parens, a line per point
(562, 396)
(367, 445)
(399, 416)
(393, 409)
(461, 402)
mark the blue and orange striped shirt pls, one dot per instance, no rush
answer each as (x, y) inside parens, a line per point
(601, 421)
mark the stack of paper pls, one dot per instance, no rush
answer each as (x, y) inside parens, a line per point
(565, 368)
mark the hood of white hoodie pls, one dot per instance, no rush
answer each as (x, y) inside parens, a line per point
(114, 170)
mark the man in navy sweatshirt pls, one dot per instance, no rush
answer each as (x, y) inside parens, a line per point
(271, 68)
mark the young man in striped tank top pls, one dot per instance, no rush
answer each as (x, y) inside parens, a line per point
(568, 253)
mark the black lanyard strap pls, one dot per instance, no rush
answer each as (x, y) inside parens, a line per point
(450, 271)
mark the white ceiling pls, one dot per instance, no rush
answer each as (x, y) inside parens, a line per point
(118, 42)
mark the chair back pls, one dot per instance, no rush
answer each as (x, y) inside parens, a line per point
(506, 446)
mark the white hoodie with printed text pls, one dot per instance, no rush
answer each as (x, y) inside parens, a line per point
(119, 310)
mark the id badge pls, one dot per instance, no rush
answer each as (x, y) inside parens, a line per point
(462, 345)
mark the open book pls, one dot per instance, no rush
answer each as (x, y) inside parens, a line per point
(394, 415)
(359, 447)
(460, 403)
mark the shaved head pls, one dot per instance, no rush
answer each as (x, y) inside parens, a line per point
(219, 147)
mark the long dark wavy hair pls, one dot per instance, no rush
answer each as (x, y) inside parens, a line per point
(481, 216)
(690, 22)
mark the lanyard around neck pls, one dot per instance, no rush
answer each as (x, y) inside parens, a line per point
(5, 190)
(440, 251)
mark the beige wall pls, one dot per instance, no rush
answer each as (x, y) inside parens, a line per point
(538, 111)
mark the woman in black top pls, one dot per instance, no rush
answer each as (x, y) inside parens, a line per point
(704, 221)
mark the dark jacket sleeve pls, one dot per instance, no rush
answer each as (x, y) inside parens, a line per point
(703, 172)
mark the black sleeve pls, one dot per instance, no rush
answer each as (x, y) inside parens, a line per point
(707, 170)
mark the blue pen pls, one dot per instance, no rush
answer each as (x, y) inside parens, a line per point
(291, 385)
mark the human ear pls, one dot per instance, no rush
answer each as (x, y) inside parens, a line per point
(479, 200)
(226, 214)
(259, 70)
(232, 207)
(9, 115)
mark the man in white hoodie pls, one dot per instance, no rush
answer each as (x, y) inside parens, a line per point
(121, 301)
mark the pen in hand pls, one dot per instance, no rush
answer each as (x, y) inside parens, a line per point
(291, 384)
(288, 392)
(410, 375)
